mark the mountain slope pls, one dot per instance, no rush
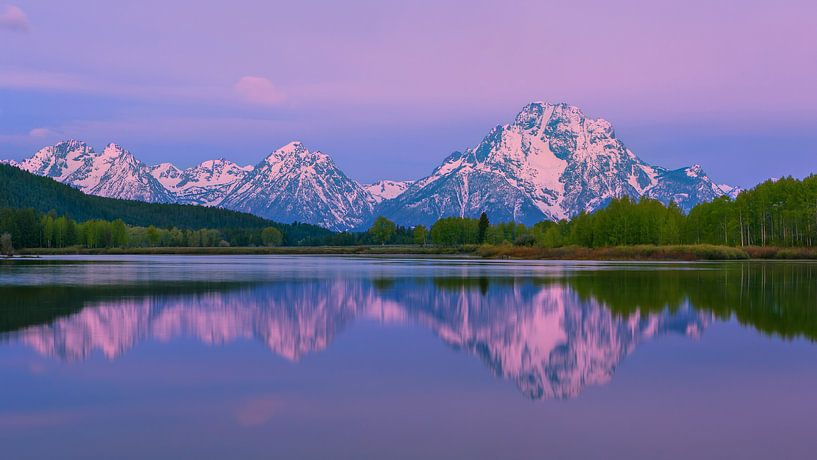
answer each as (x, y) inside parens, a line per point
(295, 184)
(385, 189)
(20, 189)
(552, 162)
(205, 184)
(112, 173)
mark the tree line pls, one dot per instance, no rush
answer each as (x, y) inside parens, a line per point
(20, 189)
(781, 213)
(27, 228)
(775, 213)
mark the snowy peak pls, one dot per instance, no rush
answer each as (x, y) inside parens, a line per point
(214, 172)
(166, 173)
(296, 184)
(61, 161)
(552, 162)
(386, 189)
(293, 151)
(204, 184)
(291, 184)
(731, 191)
(684, 186)
(220, 166)
(114, 172)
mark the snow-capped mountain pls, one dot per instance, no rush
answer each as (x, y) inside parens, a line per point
(291, 184)
(732, 191)
(295, 184)
(552, 162)
(113, 173)
(385, 189)
(205, 184)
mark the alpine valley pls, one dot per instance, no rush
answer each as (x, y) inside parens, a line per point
(552, 162)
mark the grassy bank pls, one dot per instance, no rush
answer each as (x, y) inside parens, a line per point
(640, 252)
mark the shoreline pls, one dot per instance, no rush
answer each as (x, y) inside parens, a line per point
(616, 253)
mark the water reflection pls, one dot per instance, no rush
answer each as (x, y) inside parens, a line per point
(551, 335)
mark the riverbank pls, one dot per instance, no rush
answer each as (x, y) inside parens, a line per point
(647, 252)
(395, 250)
(640, 252)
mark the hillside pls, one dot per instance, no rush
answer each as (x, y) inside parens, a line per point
(20, 189)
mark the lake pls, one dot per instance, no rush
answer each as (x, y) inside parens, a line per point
(323, 357)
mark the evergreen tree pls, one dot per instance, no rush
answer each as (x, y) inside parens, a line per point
(483, 228)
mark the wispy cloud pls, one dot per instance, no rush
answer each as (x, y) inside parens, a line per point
(247, 90)
(14, 19)
(41, 133)
(35, 135)
(258, 90)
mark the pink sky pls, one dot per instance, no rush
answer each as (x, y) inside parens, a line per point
(390, 88)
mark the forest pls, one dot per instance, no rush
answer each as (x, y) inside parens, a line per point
(779, 213)
(22, 190)
(27, 228)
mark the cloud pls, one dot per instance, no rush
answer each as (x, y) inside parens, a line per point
(250, 89)
(37, 135)
(14, 19)
(42, 132)
(258, 90)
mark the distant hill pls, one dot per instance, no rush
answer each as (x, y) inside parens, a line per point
(20, 189)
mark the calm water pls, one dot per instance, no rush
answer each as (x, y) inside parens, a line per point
(315, 357)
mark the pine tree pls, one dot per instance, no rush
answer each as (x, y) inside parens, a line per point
(484, 223)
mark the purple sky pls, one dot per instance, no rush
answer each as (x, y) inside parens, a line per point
(390, 88)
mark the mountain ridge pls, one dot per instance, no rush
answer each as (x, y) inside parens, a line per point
(550, 163)
(21, 189)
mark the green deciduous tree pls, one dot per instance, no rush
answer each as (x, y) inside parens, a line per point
(420, 235)
(271, 236)
(382, 230)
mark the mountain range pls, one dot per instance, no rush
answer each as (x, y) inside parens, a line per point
(552, 162)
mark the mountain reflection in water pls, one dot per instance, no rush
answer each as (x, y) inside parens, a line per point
(551, 335)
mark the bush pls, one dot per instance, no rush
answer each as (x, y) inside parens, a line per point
(524, 240)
